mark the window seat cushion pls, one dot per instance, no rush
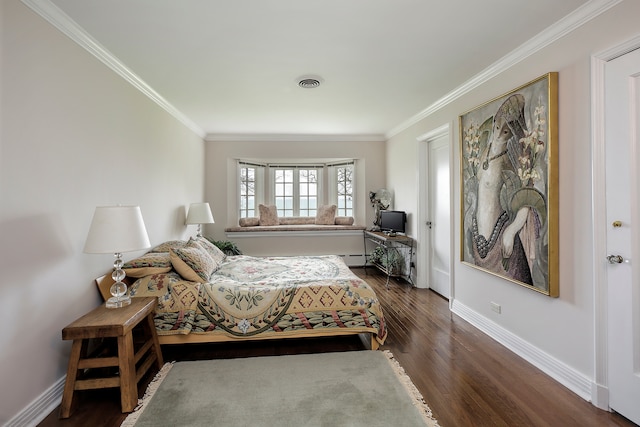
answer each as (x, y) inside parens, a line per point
(295, 224)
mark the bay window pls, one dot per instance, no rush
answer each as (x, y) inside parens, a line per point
(296, 189)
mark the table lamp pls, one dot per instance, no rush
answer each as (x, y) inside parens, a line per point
(117, 229)
(199, 213)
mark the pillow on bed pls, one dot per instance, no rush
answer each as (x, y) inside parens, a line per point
(214, 252)
(268, 214)
(326, 215)
(173, 292)
(149, 263)
(193, 262)
(166, 246)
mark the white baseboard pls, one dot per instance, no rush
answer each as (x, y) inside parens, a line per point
(564, 374)
(40, 408)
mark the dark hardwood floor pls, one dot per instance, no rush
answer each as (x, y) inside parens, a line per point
(466, 378)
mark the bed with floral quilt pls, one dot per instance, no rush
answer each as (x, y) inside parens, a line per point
(206, 296)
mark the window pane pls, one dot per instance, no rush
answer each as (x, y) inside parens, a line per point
(344, 188)
(247, 191)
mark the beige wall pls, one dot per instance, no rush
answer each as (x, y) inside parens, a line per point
(74, 135)
(562, 327)
(221, 184)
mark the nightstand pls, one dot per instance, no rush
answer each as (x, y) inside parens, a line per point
(122, 366)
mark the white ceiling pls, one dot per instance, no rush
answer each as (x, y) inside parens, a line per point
(232, 67)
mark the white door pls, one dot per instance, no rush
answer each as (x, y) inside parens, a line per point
(622, 141)
(439, 216)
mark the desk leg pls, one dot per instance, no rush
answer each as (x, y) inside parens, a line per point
(127, 365)
(70, 382)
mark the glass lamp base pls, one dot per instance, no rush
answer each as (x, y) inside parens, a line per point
(115, 302)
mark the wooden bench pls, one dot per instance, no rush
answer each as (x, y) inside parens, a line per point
(131, 363)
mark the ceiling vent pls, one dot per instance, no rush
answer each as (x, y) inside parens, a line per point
(309, 82)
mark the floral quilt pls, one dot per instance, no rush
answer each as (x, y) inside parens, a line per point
(248, 296)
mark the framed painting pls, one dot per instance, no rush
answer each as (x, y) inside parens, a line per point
(509, 186)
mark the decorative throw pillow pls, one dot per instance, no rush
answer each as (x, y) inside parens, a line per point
(171, 244)
(214, 252)
(268, 214)
(154, 284)
(344, 220)
(149, 263)
(193, 262)
(173, 292)
(326, 215)
(252, 221)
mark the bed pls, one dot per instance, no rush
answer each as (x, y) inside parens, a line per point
(206, 296)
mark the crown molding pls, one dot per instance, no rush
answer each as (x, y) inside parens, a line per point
(70, 28)
(293, 138)
(566, 25)
(56, 17)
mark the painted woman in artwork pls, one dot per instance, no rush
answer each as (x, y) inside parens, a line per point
(509, 211)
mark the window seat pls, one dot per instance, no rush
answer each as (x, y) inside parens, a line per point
(293, 226)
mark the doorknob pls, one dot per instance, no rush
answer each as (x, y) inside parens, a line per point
(615, 259)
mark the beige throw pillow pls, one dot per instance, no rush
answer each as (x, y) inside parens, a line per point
(149, 263)
(249, 222)
(192, 262)
(326, 215)
(344, 220)
(268, 215)
(214, 252)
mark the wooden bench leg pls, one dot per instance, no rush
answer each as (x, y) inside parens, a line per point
(127, 365)
(72, 376)
(150, 328)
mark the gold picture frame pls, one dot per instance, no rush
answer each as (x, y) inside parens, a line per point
(509, 186)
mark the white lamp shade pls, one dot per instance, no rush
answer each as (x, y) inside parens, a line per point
(199, 213)
(116, 229)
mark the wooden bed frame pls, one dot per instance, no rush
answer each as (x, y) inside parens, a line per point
(104, 284)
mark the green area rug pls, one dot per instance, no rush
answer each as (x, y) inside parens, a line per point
(357, 388)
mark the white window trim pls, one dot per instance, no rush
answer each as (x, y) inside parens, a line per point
(259, 184)
(327, 181)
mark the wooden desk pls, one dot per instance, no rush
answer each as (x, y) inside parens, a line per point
(115, 324)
